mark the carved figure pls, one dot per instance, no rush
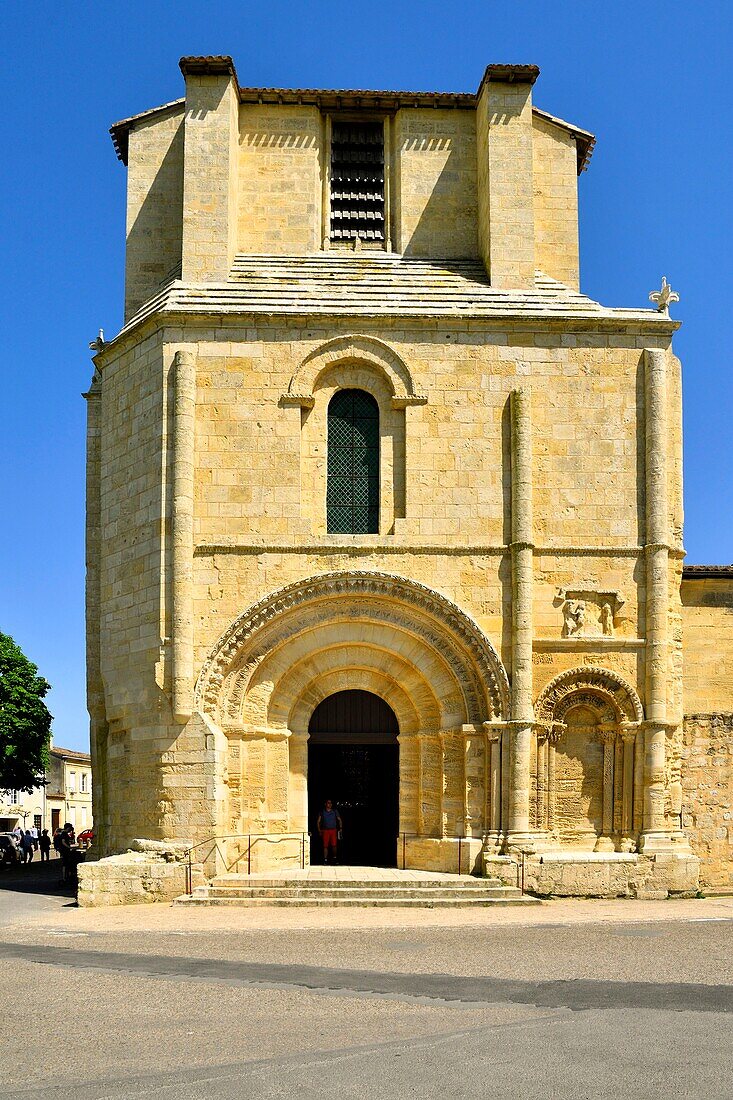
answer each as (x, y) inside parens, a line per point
(607, 619)
(574, 617)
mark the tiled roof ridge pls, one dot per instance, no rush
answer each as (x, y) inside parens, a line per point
(701, 572)
(352, 97)
(71, 754)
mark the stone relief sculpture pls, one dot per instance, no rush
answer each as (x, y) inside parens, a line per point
(588, 614)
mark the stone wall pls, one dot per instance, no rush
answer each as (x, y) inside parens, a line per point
(154, 206)
(434, 161)
(707, 628)
(555, 159)
(707, 803)
(280, 178)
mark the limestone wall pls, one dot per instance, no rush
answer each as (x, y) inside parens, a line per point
(707, 752)
(707, 625)
(154, 206)
(259, 525)
(555, 178)
(434, 163)
(280, 166)
(707, 804)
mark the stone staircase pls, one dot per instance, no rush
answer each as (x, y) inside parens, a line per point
(329, 887)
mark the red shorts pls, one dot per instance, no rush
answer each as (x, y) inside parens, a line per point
(329, 837)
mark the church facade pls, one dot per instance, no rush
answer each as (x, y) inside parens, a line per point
(382, 508)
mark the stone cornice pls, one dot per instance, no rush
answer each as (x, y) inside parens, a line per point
(397, 544)
(588, 644)
(640, 329)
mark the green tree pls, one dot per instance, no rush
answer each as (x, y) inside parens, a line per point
(25, 723)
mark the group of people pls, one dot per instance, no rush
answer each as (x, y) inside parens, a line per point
(64, 841)
(32, 841)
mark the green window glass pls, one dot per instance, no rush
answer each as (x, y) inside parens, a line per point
(352, 491)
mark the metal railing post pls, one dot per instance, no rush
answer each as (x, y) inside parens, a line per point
(249, 854)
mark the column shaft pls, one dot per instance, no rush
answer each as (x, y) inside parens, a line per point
(657, 592)
(184, 417)
(522, 597)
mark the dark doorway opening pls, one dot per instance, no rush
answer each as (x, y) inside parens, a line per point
(353, 759)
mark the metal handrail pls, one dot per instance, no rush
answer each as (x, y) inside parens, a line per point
(251, 838)
(432, 836)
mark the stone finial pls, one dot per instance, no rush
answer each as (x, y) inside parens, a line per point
(99, 343)
(664, 296)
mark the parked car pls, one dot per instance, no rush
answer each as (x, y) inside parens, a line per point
(9, 853)
(85, 838)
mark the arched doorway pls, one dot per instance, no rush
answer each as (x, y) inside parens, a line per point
(353, 759)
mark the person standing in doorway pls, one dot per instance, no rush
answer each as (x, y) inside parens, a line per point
(330, 827)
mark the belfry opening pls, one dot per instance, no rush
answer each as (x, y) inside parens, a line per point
(353, 759)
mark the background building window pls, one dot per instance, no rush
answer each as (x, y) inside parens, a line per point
(37, 821)
(357, 181)
(83, 782)
(72, 782)
(352, 492)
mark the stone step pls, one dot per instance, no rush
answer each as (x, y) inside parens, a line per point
(463, 882)
(327, 901)
(306, 892)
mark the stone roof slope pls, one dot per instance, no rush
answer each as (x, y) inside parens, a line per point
(379, 285)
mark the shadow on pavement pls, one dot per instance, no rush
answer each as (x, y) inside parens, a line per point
(37, 878)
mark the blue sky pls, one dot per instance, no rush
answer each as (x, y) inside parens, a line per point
(650, 80)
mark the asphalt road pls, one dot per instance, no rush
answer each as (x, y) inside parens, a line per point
(113, 1006)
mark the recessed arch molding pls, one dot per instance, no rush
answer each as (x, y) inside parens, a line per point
(359, 349)
(589, 685)
(386, 605)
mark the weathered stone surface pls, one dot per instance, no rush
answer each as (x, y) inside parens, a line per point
(518, 607)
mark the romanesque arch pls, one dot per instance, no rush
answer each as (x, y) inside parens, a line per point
(588, 765)
(395, 616)
(354, 348)
(370, 631)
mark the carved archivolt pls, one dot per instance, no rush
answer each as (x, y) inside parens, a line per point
(379, 597)
(365, 349)
(607, 692)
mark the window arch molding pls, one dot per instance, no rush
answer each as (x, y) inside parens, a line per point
(366, 350)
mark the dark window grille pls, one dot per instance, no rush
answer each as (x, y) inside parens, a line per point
(357, 181)
(352, 490)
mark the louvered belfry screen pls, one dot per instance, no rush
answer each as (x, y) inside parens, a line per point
(357, 181)
(352, 491)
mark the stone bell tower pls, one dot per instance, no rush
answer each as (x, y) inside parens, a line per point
(367, 471)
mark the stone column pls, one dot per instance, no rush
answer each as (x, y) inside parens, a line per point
(493, 784)
(551, 786)
(409, 784)
(522, 715)
(95, 685)
(298, 782)
(542, 783)
(474, 790)
(627, 810)
(183, 373)
(657, 598)
(605, 841)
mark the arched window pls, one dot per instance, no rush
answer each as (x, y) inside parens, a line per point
(352, 490)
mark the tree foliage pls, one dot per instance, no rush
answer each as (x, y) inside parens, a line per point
(25, 723)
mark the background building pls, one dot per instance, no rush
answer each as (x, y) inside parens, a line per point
(381, 506)
(67, 796)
